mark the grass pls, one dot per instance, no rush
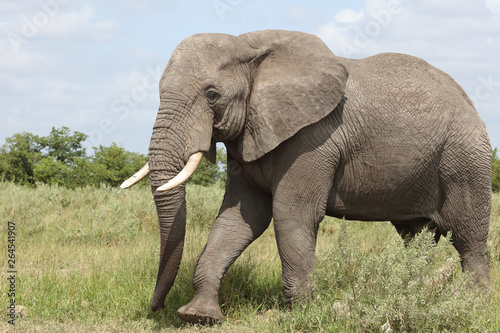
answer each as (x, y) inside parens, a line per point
(87, 259)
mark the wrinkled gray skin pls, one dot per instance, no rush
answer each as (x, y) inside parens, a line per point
(309, 134)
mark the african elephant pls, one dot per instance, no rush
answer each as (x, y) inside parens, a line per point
(385, 138)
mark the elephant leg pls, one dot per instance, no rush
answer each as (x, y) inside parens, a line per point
(244, 215)
(296, 245)
(299, 205)
(466, 207)
(471, 243)
(469, 233)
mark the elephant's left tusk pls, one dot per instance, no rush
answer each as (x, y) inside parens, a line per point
(189, 169)
(136, 178)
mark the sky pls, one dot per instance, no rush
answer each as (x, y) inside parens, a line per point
(94, 66)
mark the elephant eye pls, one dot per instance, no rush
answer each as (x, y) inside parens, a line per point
(212, 96)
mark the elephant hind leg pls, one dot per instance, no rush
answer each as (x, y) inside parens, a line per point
(466, 213)
(465, 182)
(474, 259)
(469, 237)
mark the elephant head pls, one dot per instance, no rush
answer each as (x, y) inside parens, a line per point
(255, 90)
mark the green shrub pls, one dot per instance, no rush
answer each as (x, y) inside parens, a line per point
(401, 289)
(495, 170)
(112, 165)
(18, 157)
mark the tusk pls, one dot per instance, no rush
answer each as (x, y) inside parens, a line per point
(136, 178)
(189, 169)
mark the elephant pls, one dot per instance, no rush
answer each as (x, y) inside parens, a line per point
(309, 134)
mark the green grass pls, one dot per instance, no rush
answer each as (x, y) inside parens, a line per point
(87, 260)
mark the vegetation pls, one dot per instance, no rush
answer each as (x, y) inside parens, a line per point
(60, 158)
(87, 260)
(495, 166)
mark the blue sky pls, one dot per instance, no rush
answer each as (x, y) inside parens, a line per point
(94, 66)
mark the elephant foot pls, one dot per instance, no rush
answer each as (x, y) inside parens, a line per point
(201, 310)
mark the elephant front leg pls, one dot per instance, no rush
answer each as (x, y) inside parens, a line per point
(299, 205)
(243, 217)
(296, 242)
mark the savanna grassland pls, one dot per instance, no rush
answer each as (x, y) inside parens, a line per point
(86, 260)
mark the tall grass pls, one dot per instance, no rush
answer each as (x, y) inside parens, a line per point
(87, 261)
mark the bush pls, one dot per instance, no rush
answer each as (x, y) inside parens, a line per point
(401, 289)
(51, 171)
(18, 157)
(112, 165)
(495, 170)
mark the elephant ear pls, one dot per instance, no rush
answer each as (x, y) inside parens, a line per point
(297, 81)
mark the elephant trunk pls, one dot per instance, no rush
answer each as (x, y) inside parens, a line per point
(176, 147)
(171, 209)
(166, 160)
(174, 153)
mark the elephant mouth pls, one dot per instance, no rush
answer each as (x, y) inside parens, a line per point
(188, 170)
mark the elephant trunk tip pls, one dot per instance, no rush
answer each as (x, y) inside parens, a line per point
(155, 306)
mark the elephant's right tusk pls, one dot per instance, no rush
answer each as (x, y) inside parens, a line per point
(136, 178)
(189, 169)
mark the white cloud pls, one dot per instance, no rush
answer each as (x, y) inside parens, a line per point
(57, 19)
(493, 5)
(446, 8)
(395, 23)
(80, 24)
(21, 62)
(295, 13)
(9, 7)
(145, 6)
(348, 16)
(426, 29)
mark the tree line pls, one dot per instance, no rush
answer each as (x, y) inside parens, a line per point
(60, 158)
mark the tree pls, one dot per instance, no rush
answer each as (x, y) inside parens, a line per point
(495, 172)
(60, 158)
(112, 165)
(63, 161)
(63, 146)
(18, 157)
(71, 175)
